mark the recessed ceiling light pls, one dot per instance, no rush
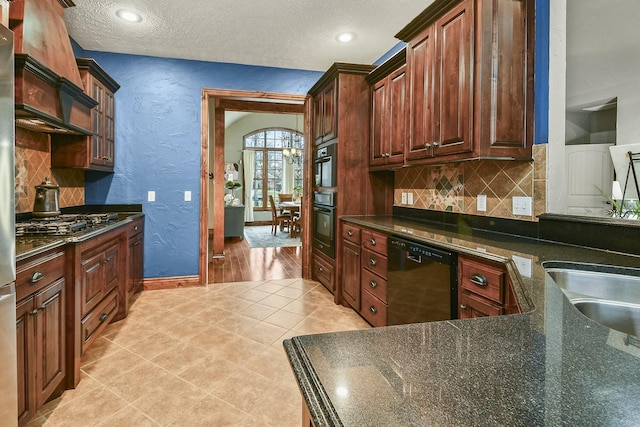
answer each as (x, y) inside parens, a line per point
(345, 37)
(129, 15)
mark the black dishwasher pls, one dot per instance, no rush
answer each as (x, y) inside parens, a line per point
(422, 283)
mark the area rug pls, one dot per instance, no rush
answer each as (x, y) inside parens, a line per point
(261, 237)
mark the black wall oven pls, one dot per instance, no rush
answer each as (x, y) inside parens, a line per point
(324, 166)
(324, 222)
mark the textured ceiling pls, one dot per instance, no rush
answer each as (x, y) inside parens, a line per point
(297, 34)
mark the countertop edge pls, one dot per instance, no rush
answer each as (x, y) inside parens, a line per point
(319, 405)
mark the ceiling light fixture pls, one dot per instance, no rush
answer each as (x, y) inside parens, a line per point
(345, 37)
(129, 15)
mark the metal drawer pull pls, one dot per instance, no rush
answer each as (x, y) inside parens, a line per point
(135, 228)
(479, 279)
(103, 317)
(36, 276)
(373, 284)
(136, 243)
(34, 312)
(320, 269)
(462, 307)
(350, 233)
(372, 261)
(373, 310)
(372, 241)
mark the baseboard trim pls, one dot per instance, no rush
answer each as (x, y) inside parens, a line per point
(155, 283)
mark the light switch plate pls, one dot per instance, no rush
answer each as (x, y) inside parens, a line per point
(404, 198)
(151, 196)
(187, 196)
(482, 203)
(410, 198)
(522, 206)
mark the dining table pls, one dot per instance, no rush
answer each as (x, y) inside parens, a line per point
(292, 207)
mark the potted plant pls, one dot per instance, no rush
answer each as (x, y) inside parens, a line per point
(231, 199)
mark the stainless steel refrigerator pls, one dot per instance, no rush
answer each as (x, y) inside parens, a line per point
(8, 374)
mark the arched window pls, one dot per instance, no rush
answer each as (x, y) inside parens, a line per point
(274, 173)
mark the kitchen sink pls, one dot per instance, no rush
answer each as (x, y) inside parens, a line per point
(605, 294)
(615, 315)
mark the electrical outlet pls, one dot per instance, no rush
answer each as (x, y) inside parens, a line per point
(187, 196)
(522, 206)
(151, 196)
(523, 265)
(410, 198)
(404, 198)
(482, 203)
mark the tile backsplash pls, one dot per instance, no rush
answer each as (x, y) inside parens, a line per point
(33, 165)
(454, 187)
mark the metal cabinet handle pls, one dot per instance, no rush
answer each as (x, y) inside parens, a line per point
(462, 307)
(479, 279)
(137, 243)
(320, 269)
(349, 233)
(372, 261)
(36, 276)
(435, 144)
(427, 145)
(372, 241)
(34, 312)
(373, 310)
(103, 317)
(373, 284)
(135, 228)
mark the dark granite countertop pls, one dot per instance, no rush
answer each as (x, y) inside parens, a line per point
(27, 247)
(549, 365)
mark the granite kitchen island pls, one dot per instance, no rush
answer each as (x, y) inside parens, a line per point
(550, 365)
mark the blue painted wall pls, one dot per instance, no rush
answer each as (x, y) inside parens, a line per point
(158, 145)
(541, 84)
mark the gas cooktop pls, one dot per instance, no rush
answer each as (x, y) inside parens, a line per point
(63, 225)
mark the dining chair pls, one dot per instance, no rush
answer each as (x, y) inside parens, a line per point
(278, 220)
(284, 197)
(296, 225)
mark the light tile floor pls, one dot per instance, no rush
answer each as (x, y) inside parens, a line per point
(208, 356)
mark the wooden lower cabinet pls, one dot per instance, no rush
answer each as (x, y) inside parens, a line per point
(484, 289)
(135, 256)
(351, 274)
(99, 269)
(322, 270)
(40, 331)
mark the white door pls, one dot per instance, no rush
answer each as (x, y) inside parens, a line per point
(589, 168)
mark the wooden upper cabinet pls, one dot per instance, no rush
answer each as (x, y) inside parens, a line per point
(325, 127)
(470, 71)
(453, 81)
(389, 108)
(95, 151)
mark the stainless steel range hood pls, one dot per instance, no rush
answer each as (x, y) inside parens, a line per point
(48, 90)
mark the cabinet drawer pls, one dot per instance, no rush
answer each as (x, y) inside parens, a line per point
(374, 262)
(372, 309)
(135, 227)
(98, 319)
(322, 271)
(374, 284)
(482, 279)
(374, 241)
(35, 273)
(473, 306)
(351, 233)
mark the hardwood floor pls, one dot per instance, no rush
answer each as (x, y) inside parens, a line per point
(243, 263)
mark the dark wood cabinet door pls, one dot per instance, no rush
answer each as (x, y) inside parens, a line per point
(109, 129)
(504, 65)
(453, 81)
(351, 274)
(92, 282)
(136, 255)
(111, 268)
(97, 124)
(379, 127)
(420, 63)
(50, 340)
(317, 118)
(25, 357)
(330, 112)
(397, 116)
(471, 306)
